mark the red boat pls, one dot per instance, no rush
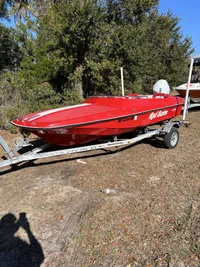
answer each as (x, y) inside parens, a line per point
(100, 116)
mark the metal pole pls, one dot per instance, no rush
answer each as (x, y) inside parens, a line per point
(188, 89)
(122, 80)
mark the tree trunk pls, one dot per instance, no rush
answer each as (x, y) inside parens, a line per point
(78, 79)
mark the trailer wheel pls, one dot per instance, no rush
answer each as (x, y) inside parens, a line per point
(171, 139)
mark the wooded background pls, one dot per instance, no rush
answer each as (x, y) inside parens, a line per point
(60, 52)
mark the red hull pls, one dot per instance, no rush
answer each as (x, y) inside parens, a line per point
(98, 117)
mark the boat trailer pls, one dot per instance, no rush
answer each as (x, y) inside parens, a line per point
(169, 132)
(191, 104)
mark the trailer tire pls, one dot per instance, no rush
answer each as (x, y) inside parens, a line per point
(171, 139)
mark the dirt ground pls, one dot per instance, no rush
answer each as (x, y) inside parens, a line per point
(53, 212)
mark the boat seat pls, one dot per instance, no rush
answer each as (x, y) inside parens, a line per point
(131, 96)
(160, 95)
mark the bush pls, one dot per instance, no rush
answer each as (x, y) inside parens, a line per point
(19, 97)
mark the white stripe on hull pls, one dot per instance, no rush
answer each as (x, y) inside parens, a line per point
(48, 112)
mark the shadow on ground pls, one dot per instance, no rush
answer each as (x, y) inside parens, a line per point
(14, 251)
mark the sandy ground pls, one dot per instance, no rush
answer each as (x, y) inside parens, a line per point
(53, 212)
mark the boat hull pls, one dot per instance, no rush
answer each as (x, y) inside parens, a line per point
(194, 92)
(133, 114)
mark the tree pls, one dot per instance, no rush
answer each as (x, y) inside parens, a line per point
(82, 44)
(157, 51)
(24, 8)
(9, 49)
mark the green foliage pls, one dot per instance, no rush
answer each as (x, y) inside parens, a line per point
(9, 49)
(24, 8)
(18, 96)
(10, 101)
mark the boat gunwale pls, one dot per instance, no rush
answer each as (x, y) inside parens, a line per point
(95, 122)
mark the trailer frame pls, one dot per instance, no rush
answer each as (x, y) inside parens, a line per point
(37, 152)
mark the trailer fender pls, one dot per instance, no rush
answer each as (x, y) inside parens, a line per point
(167, 128)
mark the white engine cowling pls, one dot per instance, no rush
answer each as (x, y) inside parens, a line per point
(161, 87)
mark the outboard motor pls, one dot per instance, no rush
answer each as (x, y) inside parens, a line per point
(161, 88)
